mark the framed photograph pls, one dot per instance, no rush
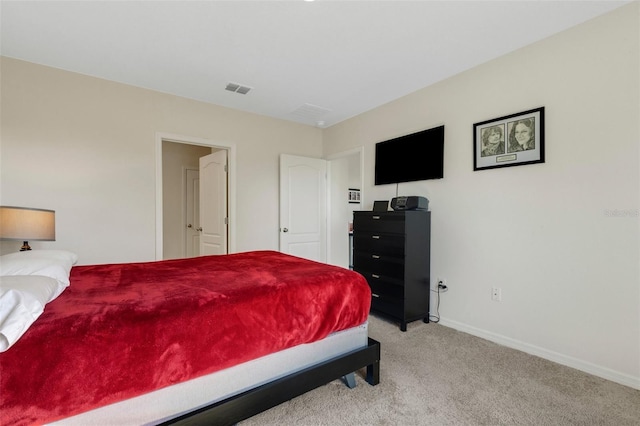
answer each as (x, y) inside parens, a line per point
(354, 196)
(512, 140)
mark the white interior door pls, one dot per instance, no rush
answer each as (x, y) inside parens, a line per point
(303, 207)
(213, 205)
(192, 214)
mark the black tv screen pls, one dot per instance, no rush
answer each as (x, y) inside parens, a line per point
(418, 156)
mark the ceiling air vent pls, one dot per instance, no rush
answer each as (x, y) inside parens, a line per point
(310, 112)
(238, 88)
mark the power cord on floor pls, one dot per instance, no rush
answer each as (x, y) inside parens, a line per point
(436, 318)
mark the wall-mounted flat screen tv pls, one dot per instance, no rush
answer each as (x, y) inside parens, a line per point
(413, 157)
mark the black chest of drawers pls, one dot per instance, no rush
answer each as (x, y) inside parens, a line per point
(392, 251)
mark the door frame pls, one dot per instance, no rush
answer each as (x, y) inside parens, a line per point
(231, 176)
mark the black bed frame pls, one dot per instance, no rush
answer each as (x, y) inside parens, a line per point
(249, 403)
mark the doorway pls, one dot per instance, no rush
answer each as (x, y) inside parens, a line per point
(172, 231)
(299, 188)
(346, 171)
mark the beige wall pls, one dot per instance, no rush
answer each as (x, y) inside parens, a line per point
(560, 238)
(85, 147)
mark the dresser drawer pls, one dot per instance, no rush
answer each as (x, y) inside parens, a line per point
(389, 307)
(382, 222)
(392, 267)
(377, 282)
(386, 290)
(379, 243)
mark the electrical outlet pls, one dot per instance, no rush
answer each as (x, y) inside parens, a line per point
(442, 285)
(496, 294)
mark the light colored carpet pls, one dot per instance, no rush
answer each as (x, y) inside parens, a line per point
(435, 375)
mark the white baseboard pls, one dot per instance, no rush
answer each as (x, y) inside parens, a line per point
(587, 367)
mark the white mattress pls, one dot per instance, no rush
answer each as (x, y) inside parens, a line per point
(166, 403)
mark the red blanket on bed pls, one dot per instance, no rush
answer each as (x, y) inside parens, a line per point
(122, 330)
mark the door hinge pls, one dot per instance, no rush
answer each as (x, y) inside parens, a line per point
(226, 220)
(226, 170)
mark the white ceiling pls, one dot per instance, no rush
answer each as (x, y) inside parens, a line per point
(316, 63)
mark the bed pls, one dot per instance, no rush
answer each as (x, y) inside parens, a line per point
(206, 340)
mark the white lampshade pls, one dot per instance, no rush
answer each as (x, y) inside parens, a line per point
(23, 223)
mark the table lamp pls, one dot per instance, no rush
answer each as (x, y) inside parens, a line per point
(24, 223)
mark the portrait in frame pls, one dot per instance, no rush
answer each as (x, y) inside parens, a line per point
(512, 140)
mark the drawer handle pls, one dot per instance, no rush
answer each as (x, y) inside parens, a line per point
(374, 295)
(375, 256)
(375, 276)
(376, 217)
(375, 237)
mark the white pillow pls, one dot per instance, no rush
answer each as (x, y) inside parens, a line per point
(54, 255)
(49, 263)
(22, 301)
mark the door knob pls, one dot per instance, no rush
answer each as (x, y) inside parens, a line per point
(189, 226)
(199, 229)
(285, 230)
